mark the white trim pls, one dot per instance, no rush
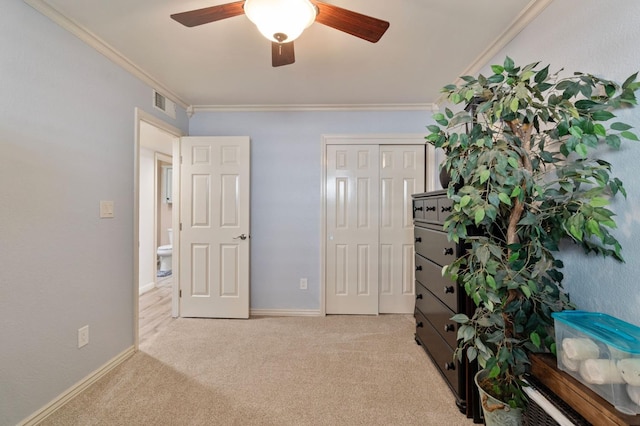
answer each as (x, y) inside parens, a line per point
(285, 313)
(147, 287)
(101, 46)
(312, 107)
(141, 115)
(76, 389)
(528, 14)
(364, 139)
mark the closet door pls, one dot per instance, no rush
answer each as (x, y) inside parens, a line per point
(401, 174)
(369, 227)
(352, 179)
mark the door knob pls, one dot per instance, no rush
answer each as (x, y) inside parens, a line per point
(241, 237)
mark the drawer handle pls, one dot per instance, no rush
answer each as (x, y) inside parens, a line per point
(449, 366)
(418, 239)
(419, 268)
(446, 209)
(418, 296)
(448, 251)
(431, 209)
(449, 327)
(419, 325)
(448, 289)
(417, 209)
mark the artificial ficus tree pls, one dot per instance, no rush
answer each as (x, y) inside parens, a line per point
(523, 178)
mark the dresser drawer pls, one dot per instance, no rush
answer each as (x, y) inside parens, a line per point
(430, 275)
(439, 351)
(438, 314)
(445, 208)
(434, 245)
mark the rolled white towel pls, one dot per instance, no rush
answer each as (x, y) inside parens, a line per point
(634, 393)
(579, 349)
(600, 372)
(629, 369)
(570, 364)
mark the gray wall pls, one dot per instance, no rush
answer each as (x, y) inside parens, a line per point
(67, 142)
(285, 191)
(600, 38)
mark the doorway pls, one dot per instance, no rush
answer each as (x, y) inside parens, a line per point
(155, 144)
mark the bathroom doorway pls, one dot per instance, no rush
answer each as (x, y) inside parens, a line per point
(155, 215)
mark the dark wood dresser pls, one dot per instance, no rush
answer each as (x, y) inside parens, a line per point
(438, 298)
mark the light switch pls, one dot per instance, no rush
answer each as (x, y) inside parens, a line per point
(106, 209)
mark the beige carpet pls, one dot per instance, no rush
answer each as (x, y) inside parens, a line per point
(334, 370)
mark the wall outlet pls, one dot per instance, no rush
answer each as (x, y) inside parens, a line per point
(83, 336)
(303, 283)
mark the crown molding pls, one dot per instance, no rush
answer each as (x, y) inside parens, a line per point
(311, 107)
(528, 14)
(102, 47)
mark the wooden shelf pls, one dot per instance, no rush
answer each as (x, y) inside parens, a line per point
(587, 403)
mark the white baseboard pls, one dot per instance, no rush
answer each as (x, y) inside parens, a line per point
(285, 313)
(74, 390)
(145, 288)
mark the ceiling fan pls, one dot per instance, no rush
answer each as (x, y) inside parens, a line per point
(282, 21)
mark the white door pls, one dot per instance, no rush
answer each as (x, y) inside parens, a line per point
(352, 229)
(401, 174)
(369, 225)
(214, 217)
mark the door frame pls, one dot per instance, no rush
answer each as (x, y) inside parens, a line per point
(142, 116)
(431, 172)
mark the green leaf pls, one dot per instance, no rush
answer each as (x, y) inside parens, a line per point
(513, 163)
(465, 200)
(456, 98)
(598, 202)
(515, 102)
(495, 372)
(460, 318)
(526, 291)
(602, 115)
(599, 129)
(504, 198)
(491, 282)
(542, 75)
(484, 176)
(479, 216)
(497, 69)
(535, 339)
(620, 126)
(581, 149)
(433, 128)
(508, 64)
(629, 135)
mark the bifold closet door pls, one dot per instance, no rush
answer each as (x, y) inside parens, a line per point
(401, 174)
(370, 257)
(352, 229)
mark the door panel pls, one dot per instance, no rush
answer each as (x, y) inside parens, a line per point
(401, 174)
(352, 223)
(214, 244)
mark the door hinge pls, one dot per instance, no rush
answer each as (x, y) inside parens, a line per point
(181, 226)
(181, 159)
(180, 293)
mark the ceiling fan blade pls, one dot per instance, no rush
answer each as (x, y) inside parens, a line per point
(356, 24)
(193, 18)
(282, 54)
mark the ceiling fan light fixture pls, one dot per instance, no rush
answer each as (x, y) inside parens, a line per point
(280, 21)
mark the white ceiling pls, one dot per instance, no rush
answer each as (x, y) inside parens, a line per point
(227, 64)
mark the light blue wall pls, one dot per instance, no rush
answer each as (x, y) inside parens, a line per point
(285, 191)
(66, 142)
(601, 38)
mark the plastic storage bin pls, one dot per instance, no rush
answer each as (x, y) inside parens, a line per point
(603, 353)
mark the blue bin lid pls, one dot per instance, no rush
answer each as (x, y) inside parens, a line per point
(602, 327)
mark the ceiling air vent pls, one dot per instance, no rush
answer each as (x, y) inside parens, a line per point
(163, 104)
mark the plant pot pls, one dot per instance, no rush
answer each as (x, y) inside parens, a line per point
(496, 412)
